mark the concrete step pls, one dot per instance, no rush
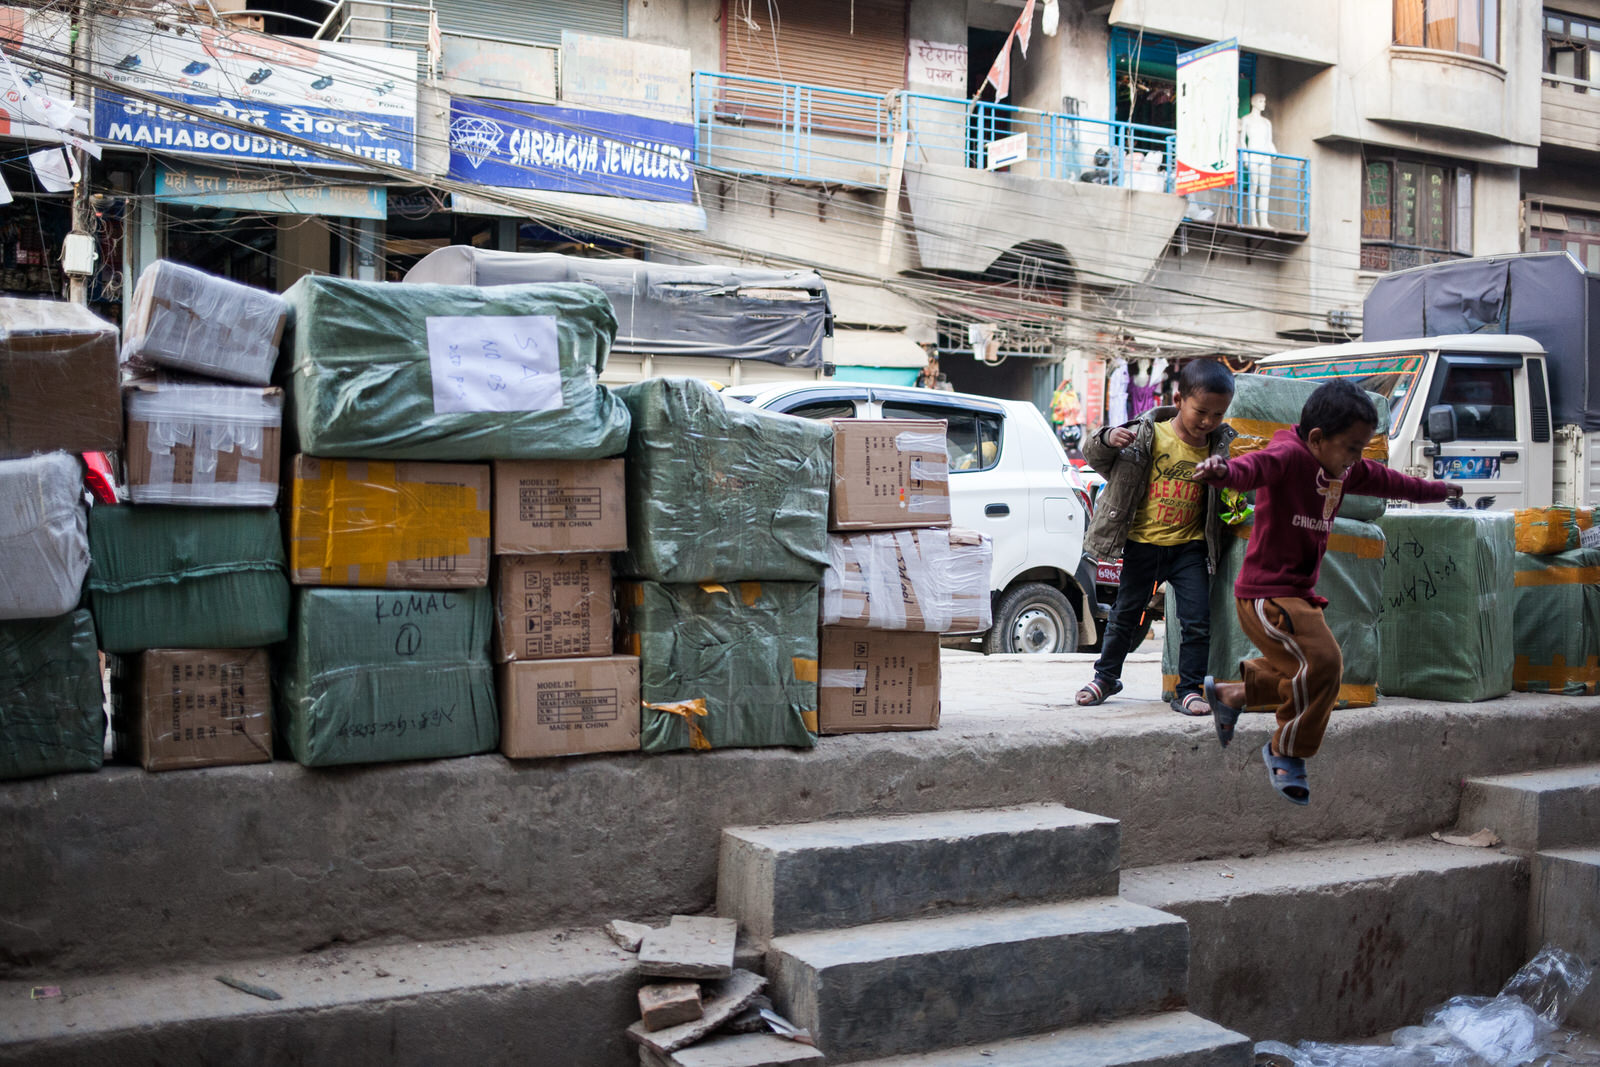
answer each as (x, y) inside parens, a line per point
(851, 872)
(1170, 1039)
(954, 980)
(546, 998)
(1562, 911)
(1328, 944)
(1554, 808)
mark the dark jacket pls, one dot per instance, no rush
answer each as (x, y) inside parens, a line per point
(1127, 475)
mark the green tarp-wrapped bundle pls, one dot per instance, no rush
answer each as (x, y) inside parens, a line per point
(721, 492)
(1558, 622)
(1263, 405)
(1446, 627)
(51, 718)
(380, 675)
(1351, 579)
(187, 577)
(451, 372)
(723, 666)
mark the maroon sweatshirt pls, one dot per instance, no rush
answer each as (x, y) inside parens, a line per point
(1296, 503)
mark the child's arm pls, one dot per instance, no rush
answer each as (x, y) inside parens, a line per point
(1104, 446)
(1367, 478)
(1249, 471)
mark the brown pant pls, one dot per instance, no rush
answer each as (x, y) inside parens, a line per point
(1299, 670)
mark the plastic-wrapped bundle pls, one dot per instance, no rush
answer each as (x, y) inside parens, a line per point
(719, 491)
(187, 577)
(214, 445)
(452, 372)
(1557, 627)
(1446, 622)
(723, 666)
(58, 378)
(376, 675)
(44, 536)
(1546, 531)
(1263, 405)
(1351, 579)
(51, 713)
(933, 580)
(185, 318)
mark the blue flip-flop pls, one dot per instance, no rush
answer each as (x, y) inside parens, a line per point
(1223, 715)
(1288, 774)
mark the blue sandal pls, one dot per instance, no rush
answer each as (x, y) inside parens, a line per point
(1224, 715)
(1099, 690)
(1288, 774)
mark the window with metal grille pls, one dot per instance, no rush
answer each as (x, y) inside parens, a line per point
(1569, 43)
(1559, 230)
(1414, 211)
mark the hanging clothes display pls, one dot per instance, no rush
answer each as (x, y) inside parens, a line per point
(1141, 398)
(1117, 395)
(1065, 409)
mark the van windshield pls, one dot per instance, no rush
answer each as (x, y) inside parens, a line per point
(1390, 376)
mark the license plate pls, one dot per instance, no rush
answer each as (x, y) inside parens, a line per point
(1464, 467)
(1108, 572)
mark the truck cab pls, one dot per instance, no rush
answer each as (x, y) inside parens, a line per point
(1473, 409)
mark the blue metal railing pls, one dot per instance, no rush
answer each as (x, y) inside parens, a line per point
(771, 128)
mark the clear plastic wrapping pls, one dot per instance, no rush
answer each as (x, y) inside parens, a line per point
(190, 320)
(213, 445)
(934, 580)
(44, 536)
(1557, 623)
(58, 378)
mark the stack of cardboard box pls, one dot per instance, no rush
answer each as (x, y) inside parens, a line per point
(58, 378)
(898, 577)
(562, 691)
(188, 579)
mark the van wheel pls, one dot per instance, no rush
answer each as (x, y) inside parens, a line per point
(1033, 618)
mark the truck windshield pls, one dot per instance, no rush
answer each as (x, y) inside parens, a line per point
(1390, 376)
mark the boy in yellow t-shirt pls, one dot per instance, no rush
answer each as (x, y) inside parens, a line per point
(1164, 524)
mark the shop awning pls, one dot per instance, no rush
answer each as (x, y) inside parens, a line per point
(667, 215)
(877, 348)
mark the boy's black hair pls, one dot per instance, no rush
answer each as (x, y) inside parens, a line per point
(1205, 376)
(1335, 406)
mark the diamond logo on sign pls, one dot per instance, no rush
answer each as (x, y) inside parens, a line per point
(475, 138)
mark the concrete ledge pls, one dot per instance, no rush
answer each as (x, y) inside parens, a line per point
(1536, 810)
(122, 868)
(1171, 1039)
(1336, 943)
(1565, 911)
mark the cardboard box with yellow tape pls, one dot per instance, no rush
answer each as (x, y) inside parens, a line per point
(1547, 531)
(1557, 622)
(388, 525)
(1351, 579)
(723, 665)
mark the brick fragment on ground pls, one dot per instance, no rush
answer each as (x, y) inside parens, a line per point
(665, 1004)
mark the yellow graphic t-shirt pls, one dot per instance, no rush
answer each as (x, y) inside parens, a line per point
(1174, 510)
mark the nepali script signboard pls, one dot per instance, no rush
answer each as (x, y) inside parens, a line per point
(513, 145)
(356, 98)
(270, 192)
(1208, 117)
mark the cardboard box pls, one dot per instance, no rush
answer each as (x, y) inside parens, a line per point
(559, 506)
(213, 445)
(388, 525)
(870, 681)
(193, 321)
(889, 474)
(58, 378)
(550, 607)
(931, 580)
(563, 707)
(199, 708)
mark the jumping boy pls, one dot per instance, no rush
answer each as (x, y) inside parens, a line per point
(1300, 479)
(1165, 525)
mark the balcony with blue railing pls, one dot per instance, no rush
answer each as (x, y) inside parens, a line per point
(761, 126)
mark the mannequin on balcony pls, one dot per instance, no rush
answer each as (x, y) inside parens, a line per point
(1255, 136)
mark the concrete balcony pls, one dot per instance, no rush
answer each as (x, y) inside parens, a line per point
(1569, 113)
(1439, 90)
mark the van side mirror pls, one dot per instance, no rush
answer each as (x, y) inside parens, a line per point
(1440, 429)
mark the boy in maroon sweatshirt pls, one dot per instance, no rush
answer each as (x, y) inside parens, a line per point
(1300, 479)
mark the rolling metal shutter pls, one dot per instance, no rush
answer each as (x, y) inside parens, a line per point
(812, 42)
(532, 21)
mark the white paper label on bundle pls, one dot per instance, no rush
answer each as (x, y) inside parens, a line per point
(494, 363)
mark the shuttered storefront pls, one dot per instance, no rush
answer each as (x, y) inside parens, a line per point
(532, 21)
(842, 44)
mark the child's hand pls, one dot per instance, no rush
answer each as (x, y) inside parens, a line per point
(1211, 469)
(1119, 437)
(1455, 491)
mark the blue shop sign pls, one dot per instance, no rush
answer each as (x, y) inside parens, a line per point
(513, 145)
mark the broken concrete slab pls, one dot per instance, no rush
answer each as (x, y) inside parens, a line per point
(750, 1021)
(723, 1000)
(740, 1050)
(665, 1004)
(690, 946)
(627, 935)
